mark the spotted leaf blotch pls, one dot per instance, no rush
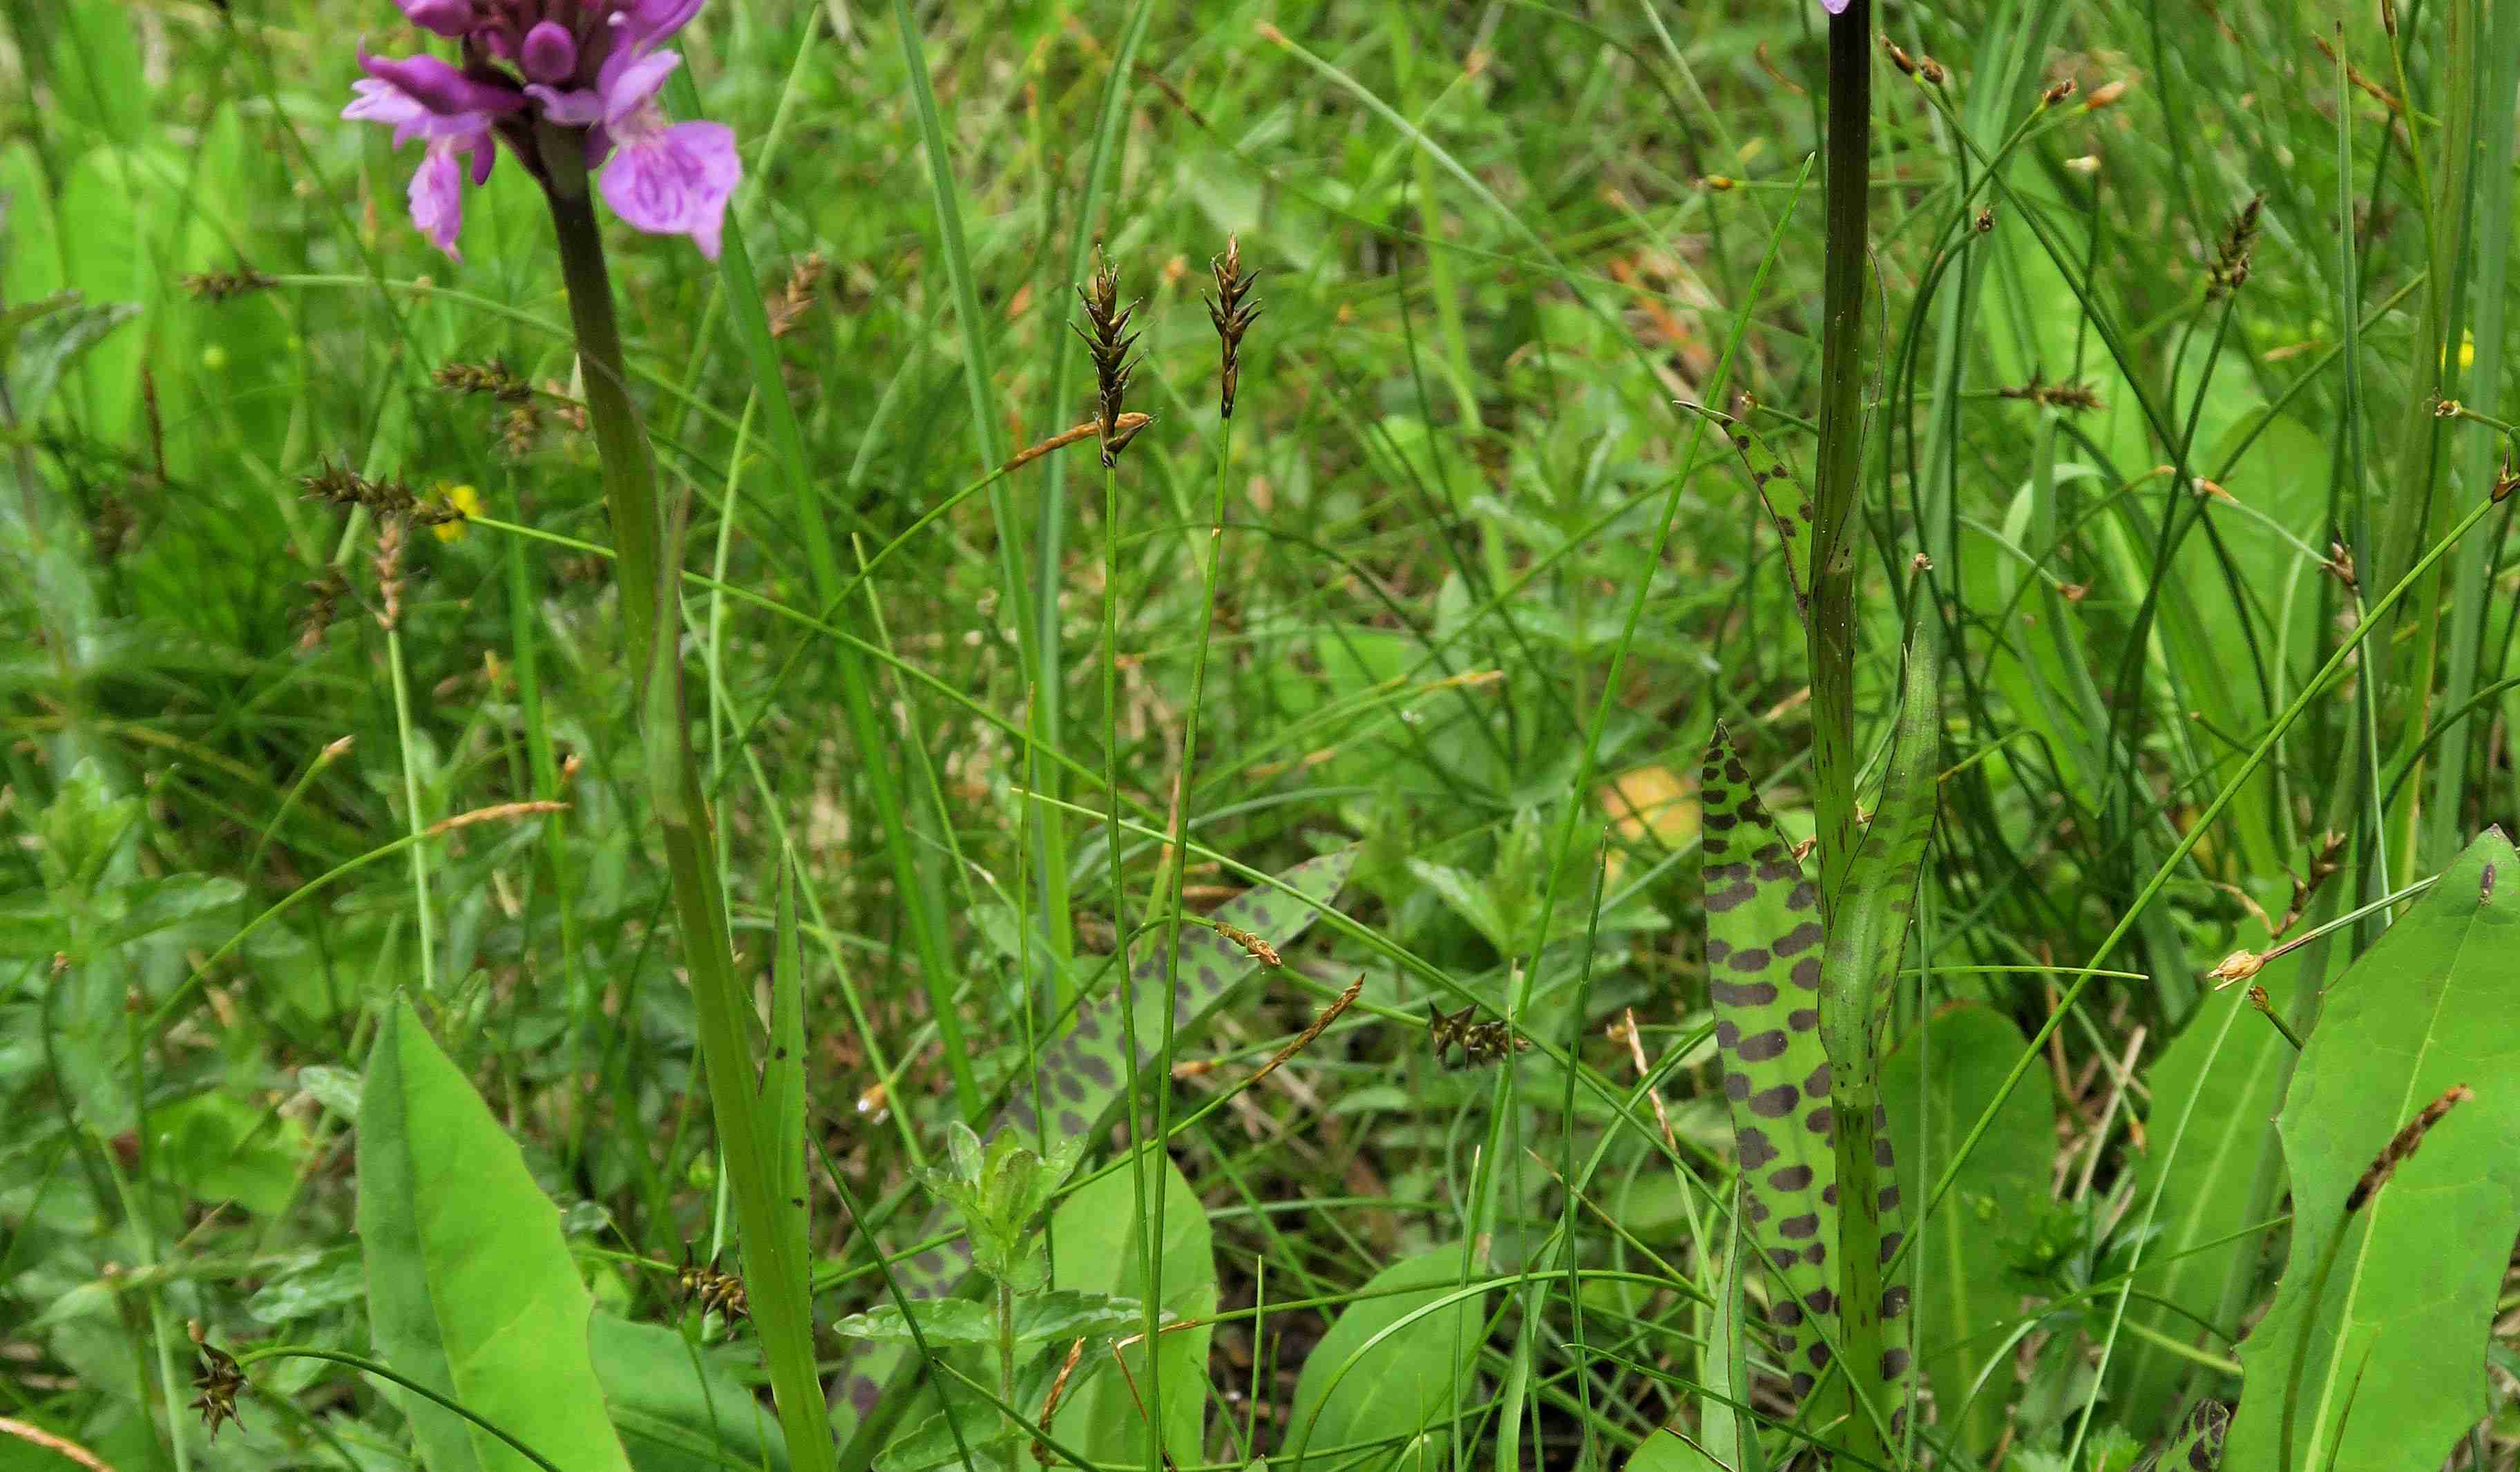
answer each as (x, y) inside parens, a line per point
(1078, 1086)
(1763, 976)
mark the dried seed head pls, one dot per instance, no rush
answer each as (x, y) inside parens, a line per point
(222, 286)
(2402, 1146)
(2056, 93)
(2231, 269)
(2105, 95)
(325, 599)
(2340, 563)
(797, 297)
(1108, 340)
(1232, 309)
(390, 535)
(2508, 479)
(388, 498)
(2076, 397)
(1899, 57)
(493, 378)
(2239, 965)
(1930, 71)
(218, 1383)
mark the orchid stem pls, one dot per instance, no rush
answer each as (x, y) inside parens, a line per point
(780, 1299)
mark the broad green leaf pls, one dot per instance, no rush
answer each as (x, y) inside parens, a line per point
(1064, 1313)
(105, 207)
(1763, 968)
(55, 344)
(680, 1407)
(1098, 1242)
(96, 80)
(471, 1287)
(2211, 1129)
(219, 1149)
(1936, 1086)
(1389, 1371)
(2378, 1330)
(942, 1322)
(1081, 1078)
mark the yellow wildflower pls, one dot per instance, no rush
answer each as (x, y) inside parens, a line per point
(466, 502)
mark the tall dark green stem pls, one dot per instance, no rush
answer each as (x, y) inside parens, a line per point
(774, 1251)
(1832, 629)
(1846, 1002)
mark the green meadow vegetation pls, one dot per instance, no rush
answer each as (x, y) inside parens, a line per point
(1527, 734)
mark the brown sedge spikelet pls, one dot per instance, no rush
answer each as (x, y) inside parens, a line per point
(1108, 340)
(226, 286)
(219, 1381)
(388, 498)
(2402, 1146)
(494, 378)
(323, 600)
(1480, 1042)
(1252, 946)
(2076, 397)
(797, 299)
(2231, 270)
(716, 1290)
(1232, 309)
(391, 534)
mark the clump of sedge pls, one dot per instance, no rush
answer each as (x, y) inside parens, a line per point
(1232, 309)
(387, 497)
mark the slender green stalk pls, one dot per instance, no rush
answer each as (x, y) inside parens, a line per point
(650, 594)
(418, 825)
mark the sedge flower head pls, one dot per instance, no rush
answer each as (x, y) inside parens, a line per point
(588, 68)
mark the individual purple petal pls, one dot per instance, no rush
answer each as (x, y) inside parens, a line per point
(572, 109)
(1833, 7)
(437, 200)
(550, 52)
(450, 19)
(643, 22)
(482, 157)
(382, 101)
(674, 181)
(439, 86)
(631, 85)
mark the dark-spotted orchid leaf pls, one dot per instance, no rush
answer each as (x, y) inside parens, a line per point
(1763, 968)
(1080, 1082)
(1790, 505)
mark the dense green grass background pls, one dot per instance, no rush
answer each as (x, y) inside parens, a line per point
(1481, 591)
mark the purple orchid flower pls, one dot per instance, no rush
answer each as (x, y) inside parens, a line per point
(590, 65)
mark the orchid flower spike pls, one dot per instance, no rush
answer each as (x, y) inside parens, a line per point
(589, 66)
